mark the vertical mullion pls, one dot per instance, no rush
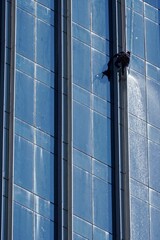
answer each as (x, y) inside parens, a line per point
(12, 23)
(59, 109)
(2, 76)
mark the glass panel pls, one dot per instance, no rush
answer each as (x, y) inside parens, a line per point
(138, 157)
(45, 45)
(155, 223)
(152, 36)
(139, 220)
(23, 163)
(25, 34)
(100, 18)
(45, 118)
(81, 12)
(81, 65)
(154, 165)
(82, 228)
(82, 124)
(24, 107)
(82, 190)
(101, 139)
(23, 223)
(102, 205)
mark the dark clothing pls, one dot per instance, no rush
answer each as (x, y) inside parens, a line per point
(122, 61)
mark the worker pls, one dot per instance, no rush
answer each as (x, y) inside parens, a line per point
(121, 60)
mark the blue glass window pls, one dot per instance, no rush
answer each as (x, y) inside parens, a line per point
(102, 205)
(44, 170)
(100, 18)
(45, 45)
(81, 65)
(82, 193)
(25, 34)
(101, 138)
(23, 163)
(45, 108)
(81, 12)
(23, 223)
(82, 124)
(24, 107)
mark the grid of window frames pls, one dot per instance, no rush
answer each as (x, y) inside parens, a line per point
(92, 165)
(35, 159)
(143, 28)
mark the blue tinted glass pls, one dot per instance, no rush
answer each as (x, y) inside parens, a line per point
(82, 160)
(102, 205)
(100, 44)
(45, 45)
(44, 208)
(45, 76)
(154, 165)
(82, 228)
(78, 237)
(24, 197)
(137, 98)
(82, 124)
(139, 190)
(101, 106)
(152, 36)
(101, 139)
(81, 65)
(24, 107)
(45, 141)
(101, 86)
(153, 94)
(45, 14)
(151, 13)
(152, 3)
(24, 65)
(152, 71)
(23, 223)
(99, 234)
(154, 134)
(44, 229)
(100, 18)
(24, 130)
(81, 12)
(137, 64)
(137, 125)
(44, 170)
(138, 157)
(138, 36)
(155, 223)
(154, 198)
(25, 34)
(47, 3)
(26, 5)
(82, 191)
(139, 220)
(102, 171)
(23, 163)
(81, 34)
(82, 96)
(45, 108)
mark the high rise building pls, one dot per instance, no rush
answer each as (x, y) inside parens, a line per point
(79, 153)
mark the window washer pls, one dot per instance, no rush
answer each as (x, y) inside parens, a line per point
(121, 60)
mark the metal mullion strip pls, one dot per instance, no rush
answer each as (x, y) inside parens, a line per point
(70, 120)
(11, 120)
(2, 77)
(125, 199)
(60, 115)
(115, 125)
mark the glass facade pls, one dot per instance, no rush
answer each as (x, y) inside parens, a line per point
(143, 93)
(79, 153)
(92, 181)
